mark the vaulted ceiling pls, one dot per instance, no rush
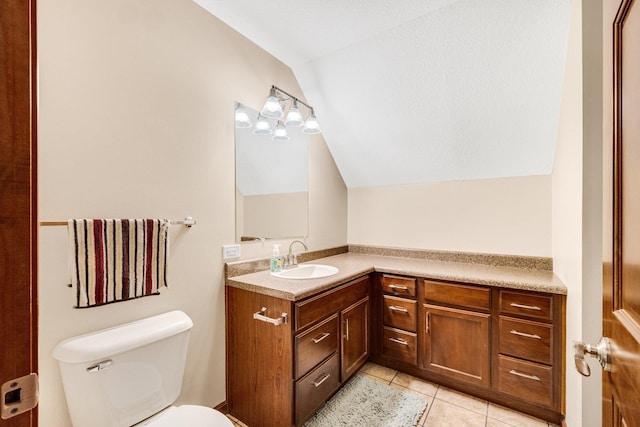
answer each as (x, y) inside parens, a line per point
(417, 91)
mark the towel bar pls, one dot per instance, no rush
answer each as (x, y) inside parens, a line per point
(188, 221)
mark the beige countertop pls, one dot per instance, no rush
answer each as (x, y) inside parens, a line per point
(352, 265)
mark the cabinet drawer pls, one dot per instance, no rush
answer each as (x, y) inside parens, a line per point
(400, 313)
(527, 380)
(317, 308)
(532, 305)
(315, 345)
(526, 339)
(313, 389)
(400, 345)
(398, 285)
(459, 295)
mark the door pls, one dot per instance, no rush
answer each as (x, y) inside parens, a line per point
(621, 283)
(18, 231)
(355, 337)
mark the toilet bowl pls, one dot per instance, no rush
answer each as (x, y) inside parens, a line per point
(130, 375)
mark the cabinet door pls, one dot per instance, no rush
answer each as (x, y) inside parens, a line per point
(456, 343)
(355, 337)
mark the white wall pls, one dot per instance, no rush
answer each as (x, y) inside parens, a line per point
(136, 120)
(502, 216)
(577, 202)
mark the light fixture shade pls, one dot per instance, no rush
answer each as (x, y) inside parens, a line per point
(280, 133)
(242, 118)
(262, 127)
(272, 108)
(294, 118)
(311, 126)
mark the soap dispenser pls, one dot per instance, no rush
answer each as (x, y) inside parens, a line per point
(276, 260)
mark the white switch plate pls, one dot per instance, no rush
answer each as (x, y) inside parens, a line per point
(230, 251)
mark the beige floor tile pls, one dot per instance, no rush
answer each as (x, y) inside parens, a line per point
(444, 414)
(374, 378)
(495, 423)
(513, 418)
(379, 371)
(462, 400)
(416, 384)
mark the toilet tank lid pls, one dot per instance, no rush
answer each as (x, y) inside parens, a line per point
(118, 339)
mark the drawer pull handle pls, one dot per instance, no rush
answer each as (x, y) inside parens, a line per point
(527, 307)
(522, 334)
(402, 288)
(398, 341)
(396, 308)
(323, 336)
(324, 378)
(261, 315)
(527, 376)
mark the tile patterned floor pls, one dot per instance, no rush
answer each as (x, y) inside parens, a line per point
(446, 407)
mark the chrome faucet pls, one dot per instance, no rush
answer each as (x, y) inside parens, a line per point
(291, 260)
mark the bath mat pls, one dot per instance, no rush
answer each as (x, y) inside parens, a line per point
(367, 402)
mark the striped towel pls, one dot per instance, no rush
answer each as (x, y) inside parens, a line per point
(114, 260)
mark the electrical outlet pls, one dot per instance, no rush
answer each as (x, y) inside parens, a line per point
(230, 251)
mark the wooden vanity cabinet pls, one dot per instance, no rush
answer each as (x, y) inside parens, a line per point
(279, 375)
(457, 332)
(502, 345)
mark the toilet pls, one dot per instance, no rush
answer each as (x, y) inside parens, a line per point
(130, 375)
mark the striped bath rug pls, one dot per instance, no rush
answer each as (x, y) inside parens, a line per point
(367, 402)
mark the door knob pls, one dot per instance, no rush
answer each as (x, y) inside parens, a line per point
(601, 351)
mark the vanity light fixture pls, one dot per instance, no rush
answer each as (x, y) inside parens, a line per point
(242, 118)
(273, 108)
(280, 133)
(262, 126)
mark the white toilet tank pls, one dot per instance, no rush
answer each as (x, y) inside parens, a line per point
(119, 376)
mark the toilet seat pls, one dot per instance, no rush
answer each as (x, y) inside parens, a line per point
(188, 415)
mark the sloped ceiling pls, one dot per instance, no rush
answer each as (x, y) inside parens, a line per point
(419, 91)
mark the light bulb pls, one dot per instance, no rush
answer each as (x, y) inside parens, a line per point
(280, 133)
(262, 127)
(294, 118)
(242, 118)
(311, 126)
(272, 108)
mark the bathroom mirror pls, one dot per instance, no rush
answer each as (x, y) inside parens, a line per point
(272, 183)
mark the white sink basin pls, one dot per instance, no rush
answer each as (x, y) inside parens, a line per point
(307, 271)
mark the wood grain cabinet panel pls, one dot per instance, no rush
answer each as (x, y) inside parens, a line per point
(398, 285)
(526, 339)
(315, 345)
(453, 294)
(316, 387)
(400, 313)
(320, 306)
(456, 344)
(526, 304)
(355, 337)
(400, 345)
(530, 381)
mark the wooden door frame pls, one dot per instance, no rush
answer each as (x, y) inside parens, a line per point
(18, 197)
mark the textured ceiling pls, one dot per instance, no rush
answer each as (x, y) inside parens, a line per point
(421, 91)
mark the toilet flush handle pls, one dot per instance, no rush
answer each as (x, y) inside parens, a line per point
(105, 364)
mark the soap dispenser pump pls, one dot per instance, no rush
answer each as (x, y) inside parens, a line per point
(276, 260)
